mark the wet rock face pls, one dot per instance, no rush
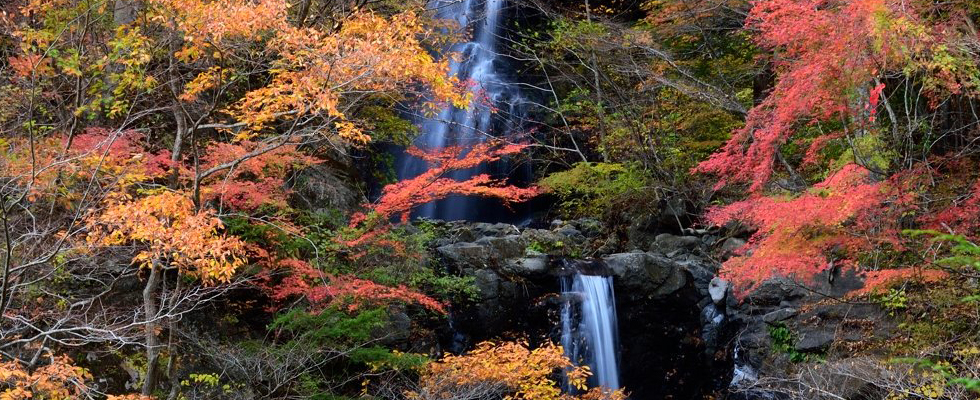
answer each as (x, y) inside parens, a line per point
(813, 319)
(673, 334)
(646, 275)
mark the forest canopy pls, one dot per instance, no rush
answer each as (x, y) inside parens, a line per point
(198, 198)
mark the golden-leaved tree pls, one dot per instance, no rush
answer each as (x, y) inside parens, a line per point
(134, 127)
(509, 370)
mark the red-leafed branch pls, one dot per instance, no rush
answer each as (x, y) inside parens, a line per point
(399, 199)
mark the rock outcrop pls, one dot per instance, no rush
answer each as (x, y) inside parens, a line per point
(677, 324)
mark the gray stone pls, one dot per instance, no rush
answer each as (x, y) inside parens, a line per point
(646, 274)
(730, 246)
(609, 245)
(533, 253)
(814, 341)
(775, 291)
(618, 263)
(711, 324)
(398, 328)
(466, 254)
(590, 227)
(717, 289)
(640, 232)
(754, 338)
(667, 243)
(463, 234)
(674, 211)
(701, 272)
(487, 283)
(323, 188)
(709, 240)
(481, 229)
(505, 247)
(528, 266)
(570, 234)
(503, 229)
(779, 315)
(542, 237)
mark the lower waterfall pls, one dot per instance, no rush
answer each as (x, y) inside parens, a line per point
(589, 330)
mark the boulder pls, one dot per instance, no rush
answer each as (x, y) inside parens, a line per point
(618, 263)
(712, 324)
(609, 245)
(495, 230)
(775, 291)
(570, 235)
(779, 315)
(646, 274)
(717, 289)
(674, 212)
(543, 238)
(590, 227)
(510, 246)
(487, 284)
(815, 340)
(535, 265)
(323, 188)
(730, 246)
(668, 244)
(641, 232)
(463, 233)
(464, 255)
(397, 329)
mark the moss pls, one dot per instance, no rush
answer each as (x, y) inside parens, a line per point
(593, 189)
(784, 341)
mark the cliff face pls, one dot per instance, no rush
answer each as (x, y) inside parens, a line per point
(682, 333)
(675, 341)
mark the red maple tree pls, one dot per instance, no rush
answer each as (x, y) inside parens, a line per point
(322, 289)
(830, 59)
(827, 56)
(803, 235)
(399, 199)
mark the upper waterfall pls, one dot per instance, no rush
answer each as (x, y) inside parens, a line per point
(478, 65)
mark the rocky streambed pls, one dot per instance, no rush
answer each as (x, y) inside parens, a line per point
(683, 335)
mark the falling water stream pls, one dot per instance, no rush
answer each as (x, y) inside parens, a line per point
(589, 333)
(479, 65)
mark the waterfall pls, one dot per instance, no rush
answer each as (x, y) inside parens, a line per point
(453, 126)
(594, 340)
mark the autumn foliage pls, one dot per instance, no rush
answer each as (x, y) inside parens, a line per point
(796, 235)
(827, 58)
(58, 380)
(321, 289)
(168, 229)
(398, 199)
(831, 61)
(509, 370)
(255, 181)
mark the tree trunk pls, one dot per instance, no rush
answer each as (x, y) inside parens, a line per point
(150, 328)
(762, 83)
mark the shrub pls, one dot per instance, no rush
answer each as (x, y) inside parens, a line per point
(596, 189)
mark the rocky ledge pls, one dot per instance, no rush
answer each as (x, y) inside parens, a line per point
(688, 335)
(671, 307)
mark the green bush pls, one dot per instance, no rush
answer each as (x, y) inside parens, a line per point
(595, 189)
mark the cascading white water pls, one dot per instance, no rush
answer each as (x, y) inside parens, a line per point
(479, 66)
(594, 340)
